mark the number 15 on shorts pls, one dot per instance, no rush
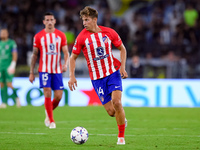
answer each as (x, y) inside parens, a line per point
(44, 78)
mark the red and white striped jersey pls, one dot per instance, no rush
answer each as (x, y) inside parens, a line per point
(50, 45)
(97, 49)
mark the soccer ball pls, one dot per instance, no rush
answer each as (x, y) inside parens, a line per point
(79, 135)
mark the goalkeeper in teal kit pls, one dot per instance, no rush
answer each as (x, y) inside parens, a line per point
(8, 58)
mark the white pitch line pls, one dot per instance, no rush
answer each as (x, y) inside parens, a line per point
(145, 135)
(129, 128)
(86, 121)
(103, 134)
(21, 133)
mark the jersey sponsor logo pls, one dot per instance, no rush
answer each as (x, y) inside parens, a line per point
(7, 47)
(3, 52)
(52, 49)
(101, 57)
(52, 53)
(100, 53)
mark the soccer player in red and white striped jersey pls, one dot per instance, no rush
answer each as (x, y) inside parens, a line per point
(101, 62)
(50, 45)
(104, 69)
(49, 42)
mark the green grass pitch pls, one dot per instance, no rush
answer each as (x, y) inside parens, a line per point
(148, 129)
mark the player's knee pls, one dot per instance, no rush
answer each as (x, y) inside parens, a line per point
(58, 97)
(47, 93)
(9, 84)
(2, 85)
(117, 105)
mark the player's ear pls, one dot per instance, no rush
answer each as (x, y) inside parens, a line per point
(95, 19)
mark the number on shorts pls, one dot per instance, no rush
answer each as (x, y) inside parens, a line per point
(100, 91)
(45, 76)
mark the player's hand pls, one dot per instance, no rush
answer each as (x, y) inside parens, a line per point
(11, 70)
(123, 73)
(72, 83)
(31, 77)
(64, 68)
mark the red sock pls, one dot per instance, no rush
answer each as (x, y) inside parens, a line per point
(48, 107)
(121, 129)
(55, 103)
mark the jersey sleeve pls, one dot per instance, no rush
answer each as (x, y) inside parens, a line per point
(63, 40)
(36, 41)
(77, 46)
(116, 40)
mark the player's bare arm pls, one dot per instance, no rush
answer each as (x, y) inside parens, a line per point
(123, 61)
(14, 56)
(72, 83)
(33, 62)
(66, 57)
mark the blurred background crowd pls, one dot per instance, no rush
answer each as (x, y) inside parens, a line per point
(161, 36)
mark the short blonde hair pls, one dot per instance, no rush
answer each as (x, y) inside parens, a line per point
(89, 12)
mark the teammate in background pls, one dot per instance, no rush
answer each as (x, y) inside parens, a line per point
(104, 69)
(8, 59)
(49, 42)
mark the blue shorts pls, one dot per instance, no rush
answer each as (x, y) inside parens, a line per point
(54, 81)
(105, 86)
